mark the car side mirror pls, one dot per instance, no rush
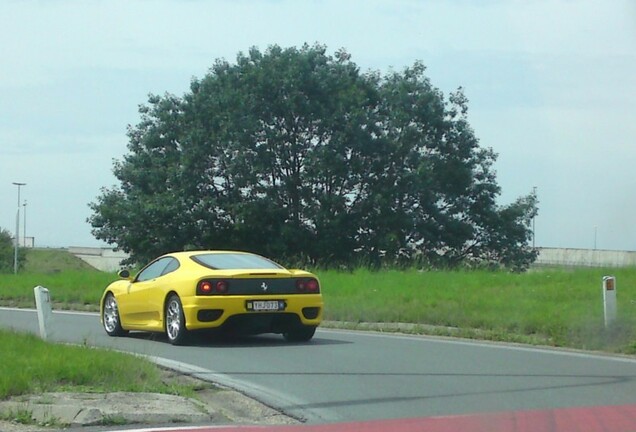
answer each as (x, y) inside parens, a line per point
(124, 274)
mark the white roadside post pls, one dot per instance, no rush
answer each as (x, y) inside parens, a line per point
(45, 312)
(609, 299)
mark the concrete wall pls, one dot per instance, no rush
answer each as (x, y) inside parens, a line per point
(27, 242)
(585, 257)
(104, 259)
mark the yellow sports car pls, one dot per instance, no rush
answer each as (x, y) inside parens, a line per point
(233, 291)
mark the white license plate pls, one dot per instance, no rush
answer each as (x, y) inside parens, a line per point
(264, 305)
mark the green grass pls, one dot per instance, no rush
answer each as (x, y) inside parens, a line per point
(79, 289)
(30, 365)
(46, 260)
(72, 283)
(20, 416)
(561, 307)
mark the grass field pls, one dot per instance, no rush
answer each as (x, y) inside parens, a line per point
(72, 289)
(73, 283)
(560, 307)
(46, 260)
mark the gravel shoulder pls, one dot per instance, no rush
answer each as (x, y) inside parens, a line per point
(211, 405)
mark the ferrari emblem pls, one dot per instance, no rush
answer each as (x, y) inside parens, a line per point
(264, 286)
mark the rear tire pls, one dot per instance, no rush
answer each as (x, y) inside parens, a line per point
(111, 318)
(175, 321)
(300, 334)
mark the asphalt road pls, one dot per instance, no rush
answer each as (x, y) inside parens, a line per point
(353, 376)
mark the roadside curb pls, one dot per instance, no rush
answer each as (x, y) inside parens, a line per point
(92, 409)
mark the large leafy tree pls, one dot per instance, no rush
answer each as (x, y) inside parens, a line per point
(296, 154)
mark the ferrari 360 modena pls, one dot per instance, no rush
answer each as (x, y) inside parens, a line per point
(235, 292)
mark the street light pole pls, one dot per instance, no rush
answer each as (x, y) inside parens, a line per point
(595, 230)
(17, 230)
(534, 192)
(24, 225)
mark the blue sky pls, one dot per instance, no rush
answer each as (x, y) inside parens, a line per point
(551, 85)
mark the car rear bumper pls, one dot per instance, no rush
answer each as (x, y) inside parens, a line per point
(203, 312)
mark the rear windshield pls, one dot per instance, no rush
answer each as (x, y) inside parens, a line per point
(228, 261)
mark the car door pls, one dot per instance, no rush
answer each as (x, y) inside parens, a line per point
(144, 299)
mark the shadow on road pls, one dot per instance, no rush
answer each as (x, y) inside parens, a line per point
(216, 340)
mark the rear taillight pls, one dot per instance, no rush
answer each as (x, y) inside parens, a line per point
(205, 287)
(307, 285)
(312, 285)
(211, 287)
(221, 287)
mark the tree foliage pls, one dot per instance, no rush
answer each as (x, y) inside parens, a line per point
(295, 154)
(7, 253)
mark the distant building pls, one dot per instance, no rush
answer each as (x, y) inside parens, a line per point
(25, 242)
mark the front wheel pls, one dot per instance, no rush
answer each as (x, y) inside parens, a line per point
(175, 321)
(110, 317)
(300, 334)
